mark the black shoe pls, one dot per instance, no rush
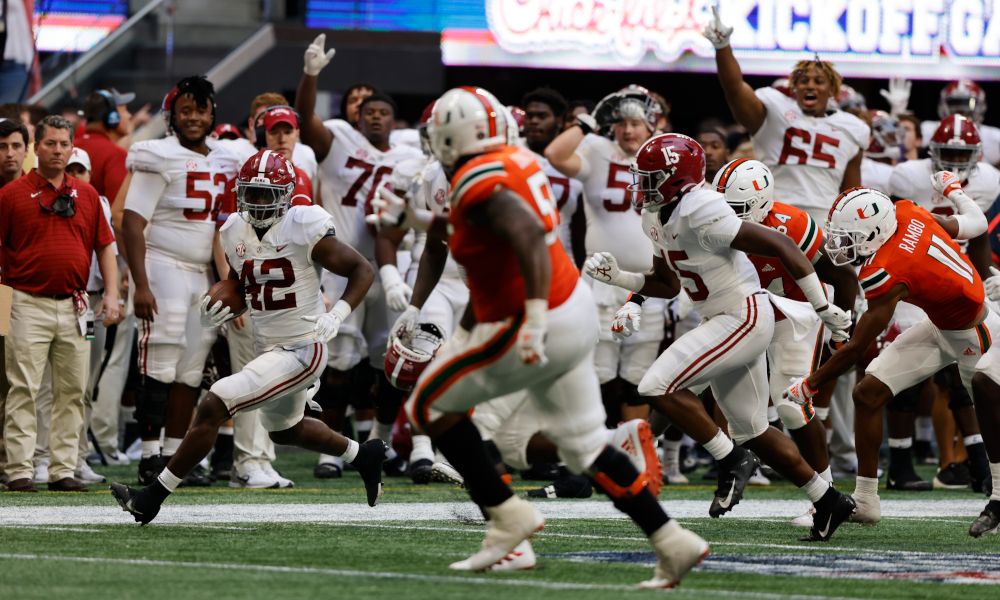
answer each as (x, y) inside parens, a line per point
(732, 481)
(221, 472)
(420, 471)
(832, 509)
(541, 472)
(327, 471)
(953, 477)
(150, 468)
(395, 467)
(196, 478)
(907, 481)
(988, 520)
(136, 502)
(923, 454)
(573, 486)
(368, 462)
(712, 474)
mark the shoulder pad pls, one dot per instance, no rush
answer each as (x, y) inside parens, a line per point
(233, 218)
(772, 96)
(225, 151)
(147, 157)
(408, 137)
(704, 200)
(306, 223)
(338, 126)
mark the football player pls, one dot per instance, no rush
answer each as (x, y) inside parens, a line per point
(612, 225)
(700, 245)
(885, 148)
(273, 250)
(905, 253)
(531, 326)
(169, 226)
(966, 98)
(353, 164)
(813, 154)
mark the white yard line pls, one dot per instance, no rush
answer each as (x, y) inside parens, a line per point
(53, 528)
(111, 514)
(552, 585)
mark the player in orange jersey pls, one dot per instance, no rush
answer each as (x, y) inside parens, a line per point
(907, 254)
(532, 325)
(795, 349)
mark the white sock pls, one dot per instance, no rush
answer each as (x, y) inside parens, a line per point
(364, 429)
(169, 480)
(866, 486)
(226, 431)
(995, 471)
(827, 476)
(352, 451)
(610, 434)
(170, 446)
(900, 442)
(816, 487)
(772, 414)
(422, 449)
(327, 459)
(720, 446)
(382, 431)
(822, 413)
(925, 429)
(973, 439)
(150, 448)
(671, 451)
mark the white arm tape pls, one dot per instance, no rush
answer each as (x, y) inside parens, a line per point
(536, 311)
(814, 291)
(632, 282)
(970, 218)
(341, 309)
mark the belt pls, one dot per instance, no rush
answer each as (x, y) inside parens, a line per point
(51, 297)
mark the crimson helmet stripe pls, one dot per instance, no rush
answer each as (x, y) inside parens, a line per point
(729, 171)
(491, 113)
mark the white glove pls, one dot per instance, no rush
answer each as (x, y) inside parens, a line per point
(316, 58)
(531, 335)
(799, 392)
(603, 267)
(394, 211)
(716, 31)
(397, 293)
(627, 321)
(328, 324)
(992, 285)
(947, 183)
(211, 317)
(684, 305)
(405, 324)
(589, 121)
(838, 339)
(835, 318)
(898, 95)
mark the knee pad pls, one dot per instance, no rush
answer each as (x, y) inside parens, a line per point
(363, 377)
(906, 401)
(631, 395)
(151, 402)
(944, 378)
(615, 475)
(794, 416)
(960, 397)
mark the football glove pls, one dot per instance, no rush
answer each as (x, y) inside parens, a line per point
(898, 95)
(835, 318)
(716, 31)
(393, 210)
(606, 112)
(946, 183)
(603, 267)
(404, 325)
(799, 392)
(212, 316)
(328, 324)
(397, 293)
(992, 285)
(315, 56)
(531, 335)
(627, 319)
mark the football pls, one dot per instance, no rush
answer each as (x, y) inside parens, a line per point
(231, 293)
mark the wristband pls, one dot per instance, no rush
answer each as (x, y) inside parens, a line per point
(390, 275)
(586, 128)
(584, 122)
(814, 291)
(636, 298)
(342, 309)
(536, 311)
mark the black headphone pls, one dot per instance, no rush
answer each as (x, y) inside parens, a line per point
(259, 135)
(109, 116)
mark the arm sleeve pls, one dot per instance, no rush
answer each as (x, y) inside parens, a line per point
(810, 238)
(144, 193)
(583, 151)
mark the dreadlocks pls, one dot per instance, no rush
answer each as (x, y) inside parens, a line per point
(824, 67)
(199, 89)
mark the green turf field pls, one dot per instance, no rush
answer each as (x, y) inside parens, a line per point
(321, 540)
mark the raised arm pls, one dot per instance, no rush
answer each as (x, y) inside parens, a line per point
(746, 107)
(313, 133)
(561, 152)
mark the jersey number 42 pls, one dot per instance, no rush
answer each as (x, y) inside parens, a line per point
(261, 295)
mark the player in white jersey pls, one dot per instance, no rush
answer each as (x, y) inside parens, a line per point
(273, 250)
(814, 154)
(169, 226)
(885, 149)
(613, 225)
(700, 245)
(966, 98)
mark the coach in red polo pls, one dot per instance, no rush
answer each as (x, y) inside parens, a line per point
(108, 120)
(50, 226)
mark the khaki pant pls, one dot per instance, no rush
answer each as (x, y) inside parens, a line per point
(4, 389)
(42, 330)
(252, 447)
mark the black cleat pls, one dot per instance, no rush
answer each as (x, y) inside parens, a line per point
(420, 471)
(832, 509)
(953, 477)
(150, 468)
(368, 462)
(327, 471)
(196, 478)
(395, 467)
(137, 502)
(988, 520)
(732, 482)
(572, 486)
(221, 473)
(907, 482)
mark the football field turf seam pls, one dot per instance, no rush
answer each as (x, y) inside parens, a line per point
(415, 576)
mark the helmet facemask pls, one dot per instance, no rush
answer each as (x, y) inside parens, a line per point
(260, 202)
(891, 137)
(844, 246)
(645, 189)
(960, 159)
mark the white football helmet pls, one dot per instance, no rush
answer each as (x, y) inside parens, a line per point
(466, 121)
(861, 220)
(749, 188)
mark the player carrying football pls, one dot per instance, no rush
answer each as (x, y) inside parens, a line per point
(272, 250)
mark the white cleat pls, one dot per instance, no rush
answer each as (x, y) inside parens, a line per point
(758, 479)
(805, 520)
(85, 474)
(635, 439)
(283, 482)
(511, 522)
(256, 479)
(443, 472)
(677, 552)
(672, 474)
(869, 511)
(521, 558)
